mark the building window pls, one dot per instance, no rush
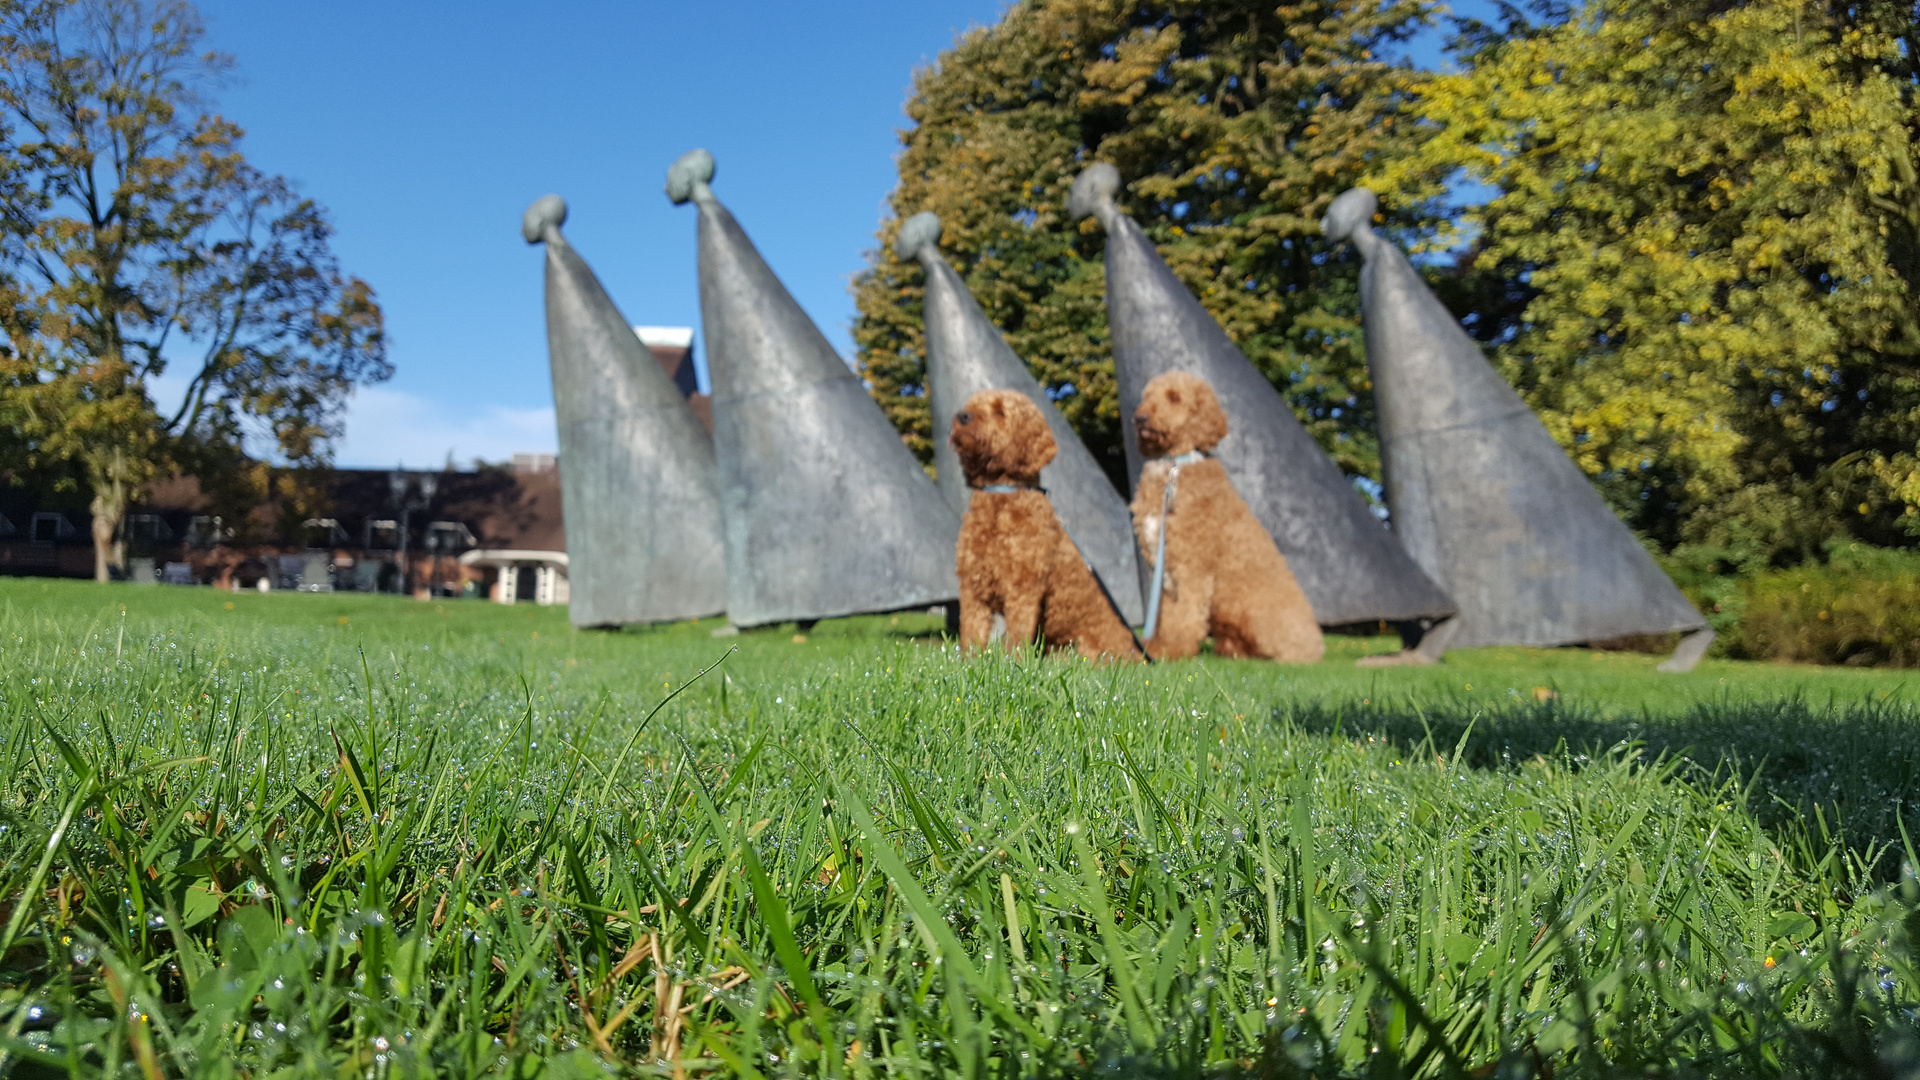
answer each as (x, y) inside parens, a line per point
(49, 527)
(448, 537)
(323, 533)
(151, 528)
(204, 531)
(382, 534)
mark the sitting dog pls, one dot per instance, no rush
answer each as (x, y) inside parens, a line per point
(1014, 558)
(1223, 575)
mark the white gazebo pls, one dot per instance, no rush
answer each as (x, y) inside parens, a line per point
(539, 576)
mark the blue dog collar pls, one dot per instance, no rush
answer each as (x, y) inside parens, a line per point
(1005, 489)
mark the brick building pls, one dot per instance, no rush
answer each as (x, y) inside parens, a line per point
(492, 531)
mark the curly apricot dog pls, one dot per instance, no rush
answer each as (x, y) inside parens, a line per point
(1224, 576)
(1014, 558)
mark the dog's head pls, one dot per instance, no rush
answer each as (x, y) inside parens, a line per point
(1002, 438)
(1178, 414)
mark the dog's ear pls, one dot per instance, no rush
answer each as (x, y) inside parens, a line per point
(1033, 436)
(1149, 413)
(974, 452)
(1207, 421)
(981, 441)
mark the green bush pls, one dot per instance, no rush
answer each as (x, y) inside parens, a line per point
(1711, 577)
(1861, 607)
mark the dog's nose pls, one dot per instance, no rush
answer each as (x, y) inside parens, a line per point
(963, 418)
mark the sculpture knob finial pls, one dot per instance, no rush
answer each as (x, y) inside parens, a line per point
(1350, 215)
(547, 214)
(919, 233)
(1093, 192)
(689, 175)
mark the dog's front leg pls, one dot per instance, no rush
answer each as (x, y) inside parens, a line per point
(976, 618)
(1023, 618)
(1183, 617)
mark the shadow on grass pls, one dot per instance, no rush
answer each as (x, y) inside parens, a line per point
(1848, 771)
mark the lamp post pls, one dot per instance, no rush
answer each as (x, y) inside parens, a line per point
(397, 483)
(406, 502)
(429, 484)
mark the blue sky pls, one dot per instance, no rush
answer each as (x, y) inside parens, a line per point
(428, 128)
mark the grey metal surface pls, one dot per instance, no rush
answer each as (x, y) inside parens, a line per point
(965, 355)
(639, 488)
(1350, 567)
(827, 513)
(1480, 494)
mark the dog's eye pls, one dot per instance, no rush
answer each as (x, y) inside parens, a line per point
(1173, 396)
(963, 418)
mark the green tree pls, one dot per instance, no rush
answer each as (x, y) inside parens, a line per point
(1235, 123)
(143, 243)
(1699, 264)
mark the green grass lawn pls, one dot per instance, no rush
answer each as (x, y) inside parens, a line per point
(336, 835)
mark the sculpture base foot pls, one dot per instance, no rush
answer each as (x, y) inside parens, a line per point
(1403, 658)
(1692, 648)
(1421, 645)
(728, 630)
(1433, 644)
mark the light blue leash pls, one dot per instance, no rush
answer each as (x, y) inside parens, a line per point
(1160, 545)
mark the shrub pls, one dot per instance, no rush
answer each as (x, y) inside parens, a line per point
(1861, 607)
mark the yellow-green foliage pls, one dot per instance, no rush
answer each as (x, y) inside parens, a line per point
(1706, 231)
(139, 243)
(1863, 607)
(1233, 123)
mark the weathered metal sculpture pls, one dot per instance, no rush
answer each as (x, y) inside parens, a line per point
(827, 513)
(965, 355)
(639, 487)
(1346, 561)
(1480, 494)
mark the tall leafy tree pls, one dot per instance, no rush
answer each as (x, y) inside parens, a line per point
(1235, 122)
(1700, 261)
(145, 245)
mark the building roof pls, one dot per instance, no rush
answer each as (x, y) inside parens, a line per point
(672, 346)
(522, 513)
(503, 508)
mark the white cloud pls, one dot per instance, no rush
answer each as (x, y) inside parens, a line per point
(387, 427)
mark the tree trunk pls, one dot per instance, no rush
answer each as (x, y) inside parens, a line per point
(109, 506)
(103, 528)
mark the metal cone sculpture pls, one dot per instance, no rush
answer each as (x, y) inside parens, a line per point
(1351, 568)
(639, 488)
(965, 355)
(1481, 495)
(827, 513)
